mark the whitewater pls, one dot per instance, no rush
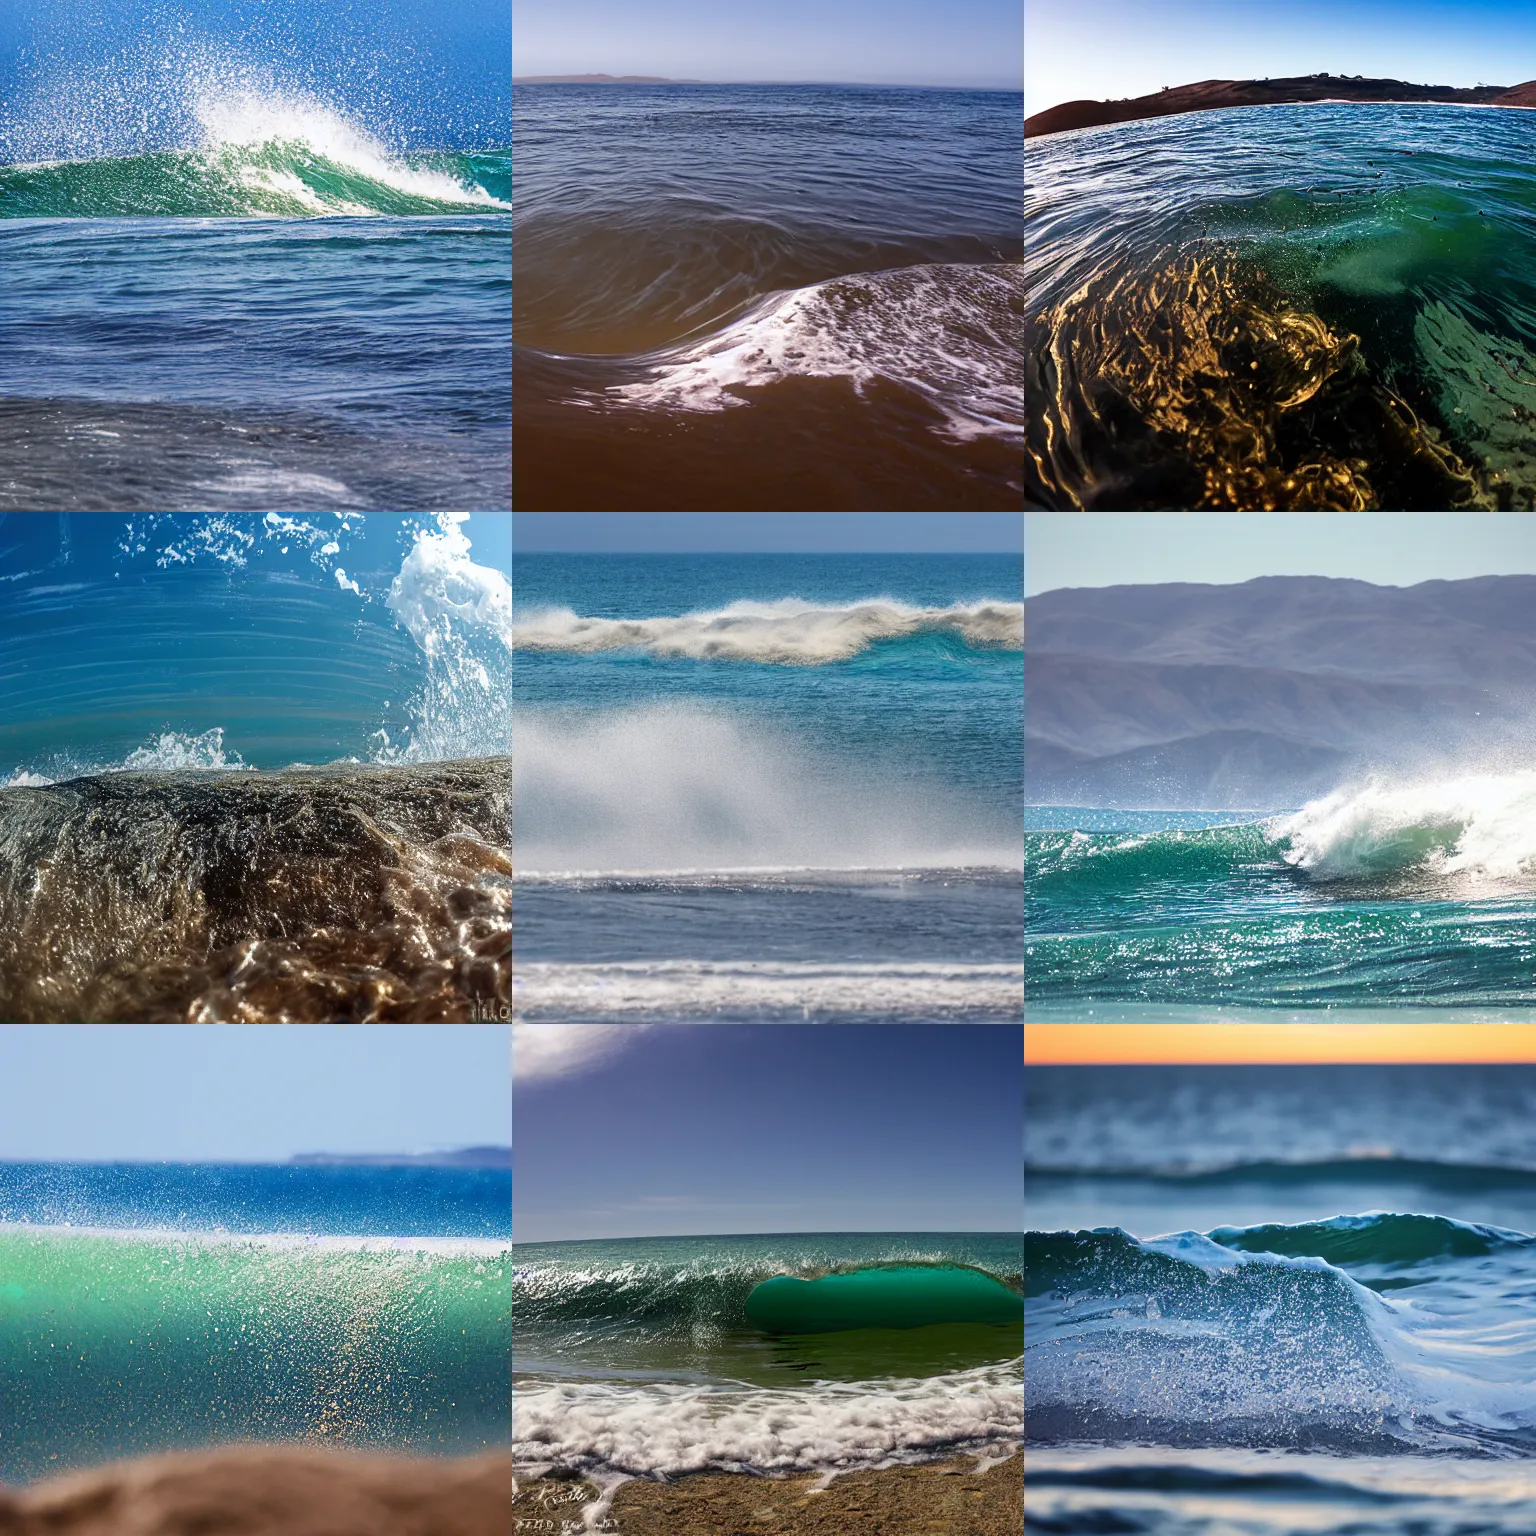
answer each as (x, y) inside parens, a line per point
(1388, 892)
(767, 787)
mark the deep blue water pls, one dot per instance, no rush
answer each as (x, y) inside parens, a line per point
(805, 806)
(255, 256)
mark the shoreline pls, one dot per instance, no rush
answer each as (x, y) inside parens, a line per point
(951, 1496)
(1314, 90)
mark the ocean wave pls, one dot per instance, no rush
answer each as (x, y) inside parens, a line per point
(1107, 860)
(685, 1300)
(674, 990)
(276, 178)
(948, 334)
(686, 787)
(1277, 1336)
(1473, 829)
(241, 1339)
(786, 632)
(662, 1429)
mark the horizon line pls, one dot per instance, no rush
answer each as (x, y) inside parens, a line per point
(900, 85)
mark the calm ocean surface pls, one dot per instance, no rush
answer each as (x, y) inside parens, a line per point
(366, 1305)
(1294, 306)
(708, 272)
(1273, 1299)
(767, 787)
(249, 263)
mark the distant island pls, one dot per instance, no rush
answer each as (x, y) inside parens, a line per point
(462, 1157)
(599, 80)
(1207, 95)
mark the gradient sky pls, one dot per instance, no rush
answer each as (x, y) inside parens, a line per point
(1394, 549)
(1081, 1044)
(1112, 48)
(169, 1092)
(898, 42)
(688, 1129)
(614, 532)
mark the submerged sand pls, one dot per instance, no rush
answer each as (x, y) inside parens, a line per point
(949, 1498)
(269, 1491)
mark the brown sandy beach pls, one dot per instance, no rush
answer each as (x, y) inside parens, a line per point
(939, 1499)
(268, 1491)
(1211, 95)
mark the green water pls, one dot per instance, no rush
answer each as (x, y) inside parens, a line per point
(116, 1345)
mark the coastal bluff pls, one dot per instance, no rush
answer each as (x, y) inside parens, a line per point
(1209, 95)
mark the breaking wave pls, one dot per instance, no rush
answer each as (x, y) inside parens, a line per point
(787, 632)
(1284, 1336)
(950, 334)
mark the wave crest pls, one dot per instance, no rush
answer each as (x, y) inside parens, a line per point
(786, 632)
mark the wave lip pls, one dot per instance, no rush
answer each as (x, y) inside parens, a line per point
(787, 632)
(1474, 829)
(758, 989)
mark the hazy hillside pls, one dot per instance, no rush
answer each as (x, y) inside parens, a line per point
(1272, 691)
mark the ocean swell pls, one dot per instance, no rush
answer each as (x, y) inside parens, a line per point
(786, 632)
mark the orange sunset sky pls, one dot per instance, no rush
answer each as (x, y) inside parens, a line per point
(1060, 1044)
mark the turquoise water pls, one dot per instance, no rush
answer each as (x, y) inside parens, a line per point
(1201, 910)
(146, 1308)
(1348, 310)
(768, 786)
(643, 1355)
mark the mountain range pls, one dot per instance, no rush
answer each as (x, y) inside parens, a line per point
(1263, 694)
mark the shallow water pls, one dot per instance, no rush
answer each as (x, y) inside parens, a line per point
(252, 769)
(1294, 306)
(707, 272)
(638, 1356)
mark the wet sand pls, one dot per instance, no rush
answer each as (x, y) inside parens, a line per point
(268, 1491)
(940, 1499)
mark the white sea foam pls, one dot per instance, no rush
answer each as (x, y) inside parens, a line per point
(680, 786)
(661, 1428)
(1477, 828)
(460, 615)
(491, 1248)
(952, 334)
(935, 991)
(170, 751)
(788, 632)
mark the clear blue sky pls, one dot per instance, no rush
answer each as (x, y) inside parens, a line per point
(932, 532)
(899, 42)
(714, 1128)
(183, 1093)
(1392, 549)
(1110, 48)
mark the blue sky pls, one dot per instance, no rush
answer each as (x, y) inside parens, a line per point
(1111, 48)
(173, 1092)
(1394, 549)
(610, 532)
(490, 539)
(902, 42)
(715, 1128)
